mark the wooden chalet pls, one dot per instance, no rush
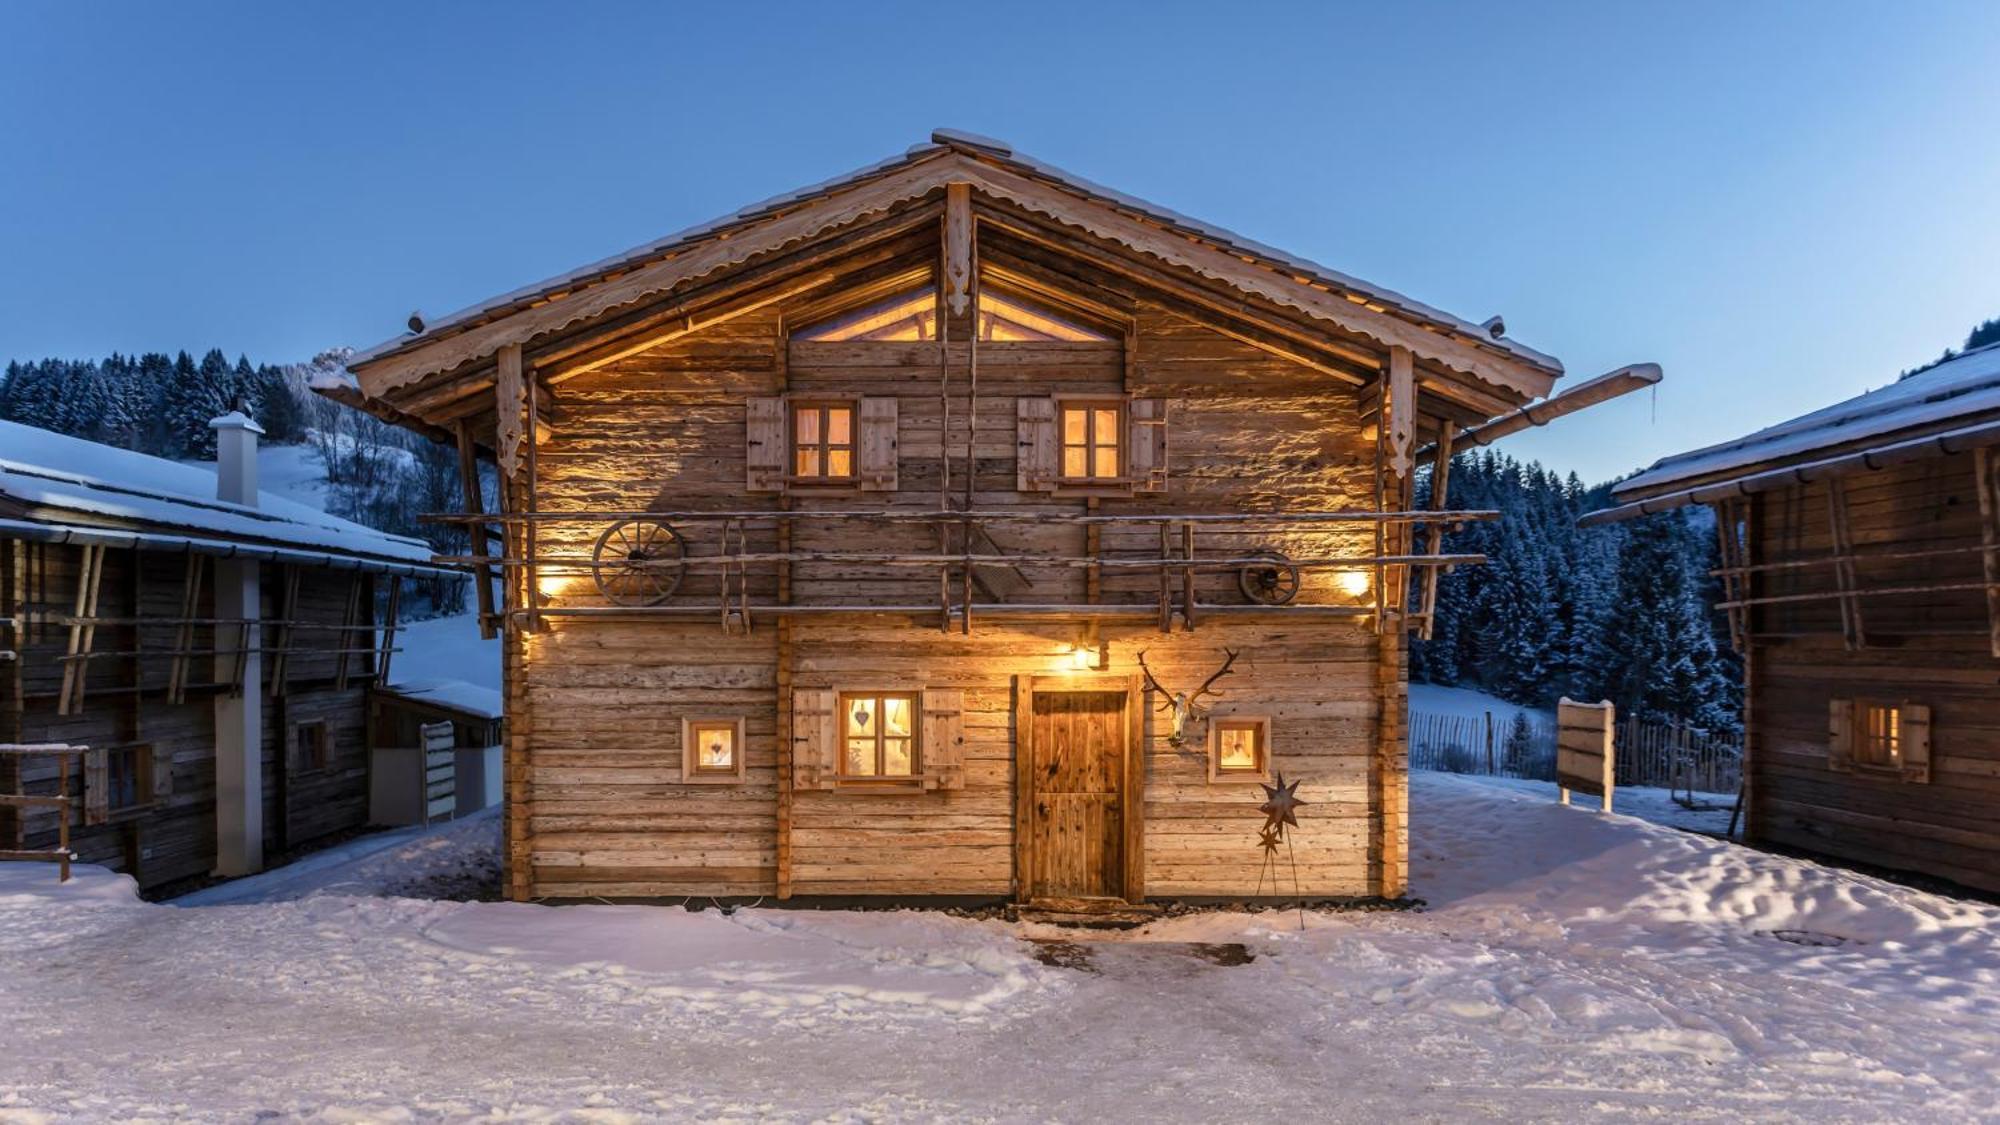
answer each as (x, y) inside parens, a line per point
(956, 527)
(1861, 576)
(190, 659)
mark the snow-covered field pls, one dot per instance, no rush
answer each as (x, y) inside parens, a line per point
(1570, 965)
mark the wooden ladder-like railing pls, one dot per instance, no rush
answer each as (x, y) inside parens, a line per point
(60, 800)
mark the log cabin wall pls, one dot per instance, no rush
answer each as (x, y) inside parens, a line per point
(1930, 648)
(598, 805)
(168, 835)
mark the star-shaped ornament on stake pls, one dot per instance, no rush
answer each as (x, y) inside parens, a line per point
(1268, 839)
(1280, 805)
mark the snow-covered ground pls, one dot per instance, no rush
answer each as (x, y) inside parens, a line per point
(1570, 965)
(1647, 802)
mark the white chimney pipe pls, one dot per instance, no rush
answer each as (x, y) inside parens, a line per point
(239, 715)
(236, 436)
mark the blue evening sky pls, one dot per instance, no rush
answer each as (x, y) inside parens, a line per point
(1782, 203)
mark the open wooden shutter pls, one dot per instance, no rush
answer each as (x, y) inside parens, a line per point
(877, 460)
(1037, 458)
(944, 739)
(815, 739)
(96, 787)
(764, 443)
(1840, 735)
(1146, 437)
(163, 774)
(1916, 742)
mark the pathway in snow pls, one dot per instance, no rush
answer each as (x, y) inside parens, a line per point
(1570, 965)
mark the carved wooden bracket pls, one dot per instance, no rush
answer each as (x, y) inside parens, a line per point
(511, 408)
(1399, 411)
(958, 247)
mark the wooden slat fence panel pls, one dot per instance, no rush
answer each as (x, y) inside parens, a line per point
(1651, 754)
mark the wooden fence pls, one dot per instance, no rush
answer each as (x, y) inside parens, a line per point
(1655, 754)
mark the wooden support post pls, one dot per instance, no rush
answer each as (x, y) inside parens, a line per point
(191, 586)
(351, 623)
(82, 631)
(533, 439)
(1440, 493)
(287, 613)
(1166, 577)
(475, 504)
(1987, 468)
(389, 623)
(1851, 627)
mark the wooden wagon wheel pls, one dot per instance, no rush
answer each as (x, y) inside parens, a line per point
(638, 562)
(1276, 584)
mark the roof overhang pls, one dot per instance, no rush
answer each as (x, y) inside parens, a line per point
(1316, 296)
(34, 531)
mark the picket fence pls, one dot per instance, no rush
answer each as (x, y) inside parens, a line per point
(1647, 753)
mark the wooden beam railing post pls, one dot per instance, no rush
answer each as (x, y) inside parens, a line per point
(475, 504)
(1851, 627)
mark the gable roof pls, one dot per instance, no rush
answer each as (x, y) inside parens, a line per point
(1955, 403)
(995, 168)
(53, 476)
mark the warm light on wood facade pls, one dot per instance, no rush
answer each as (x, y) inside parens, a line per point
(1069, 438)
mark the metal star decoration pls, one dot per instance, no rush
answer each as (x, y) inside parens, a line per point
(1268, 839)
(1280, 804)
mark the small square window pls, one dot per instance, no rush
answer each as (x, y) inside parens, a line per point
(712, 751)
(823, 442)
(1093, 440)
(312, 749)
(879, 736)
(1239, 748)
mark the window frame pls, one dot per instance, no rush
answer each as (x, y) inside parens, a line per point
(1121, 444)
(1218, 774)
(142, 777)
(692, 771)
(320, 760)
(842, 701)
(823, 404)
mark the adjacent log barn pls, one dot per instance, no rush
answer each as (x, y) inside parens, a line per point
(211, 648)
(952, 528)
(1861, 548)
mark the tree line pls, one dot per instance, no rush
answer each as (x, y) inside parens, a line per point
(1619, 612)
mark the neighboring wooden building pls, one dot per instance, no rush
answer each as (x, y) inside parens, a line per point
(1861, 549)
(862, 542)
(213, 647)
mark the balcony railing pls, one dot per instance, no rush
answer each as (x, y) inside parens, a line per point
(635, 563)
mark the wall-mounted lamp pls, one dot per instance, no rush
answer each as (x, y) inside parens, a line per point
(1089, 653)
(1354, 583)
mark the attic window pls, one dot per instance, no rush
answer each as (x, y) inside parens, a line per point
(912, 316)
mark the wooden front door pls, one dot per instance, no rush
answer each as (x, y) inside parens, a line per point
(1077, 808)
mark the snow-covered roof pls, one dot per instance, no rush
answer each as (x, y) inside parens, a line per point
(1951, 394)
(50, 472)
(944, 141)
(455, 695)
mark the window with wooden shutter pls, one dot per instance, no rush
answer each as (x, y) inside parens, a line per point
(1148, 444)
(1916, 742)
(944, 738)
(764, 450)
(1037, 458)
(878, 443)
(815, 739)
(163, 774)
(1839, 736)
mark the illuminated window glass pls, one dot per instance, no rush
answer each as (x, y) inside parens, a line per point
(1881, 741)
(823, 441)
(1093, 436)
(715, 747)
(1239, 748)
(880, 739)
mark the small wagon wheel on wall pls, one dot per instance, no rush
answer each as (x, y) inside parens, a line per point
(1273, 584)
(638, 562)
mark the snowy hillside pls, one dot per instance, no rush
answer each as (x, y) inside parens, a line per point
(1570, 966)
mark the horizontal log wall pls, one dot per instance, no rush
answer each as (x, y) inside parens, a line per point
(600, 803)
(1950, 825)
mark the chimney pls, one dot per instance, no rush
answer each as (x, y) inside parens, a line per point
(236, 436)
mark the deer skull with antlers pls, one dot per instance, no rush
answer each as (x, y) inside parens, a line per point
(1182, 704)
